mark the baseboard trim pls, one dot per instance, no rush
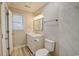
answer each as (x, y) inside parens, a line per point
(19, 46)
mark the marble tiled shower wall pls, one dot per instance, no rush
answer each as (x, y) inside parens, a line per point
(69, 29)
(66, 31)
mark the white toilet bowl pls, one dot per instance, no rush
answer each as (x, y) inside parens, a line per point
(42, 52)
(49, 46)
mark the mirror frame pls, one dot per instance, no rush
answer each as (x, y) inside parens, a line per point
(41, 25)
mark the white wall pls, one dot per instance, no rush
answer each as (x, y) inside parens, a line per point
(66, 31)
(50, 29)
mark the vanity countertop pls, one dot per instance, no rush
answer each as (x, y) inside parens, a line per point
(34, 34)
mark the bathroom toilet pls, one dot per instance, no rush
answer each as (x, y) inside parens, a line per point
(49, 46)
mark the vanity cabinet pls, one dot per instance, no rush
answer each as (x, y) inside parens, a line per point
(35, 42)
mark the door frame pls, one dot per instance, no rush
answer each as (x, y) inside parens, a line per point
(10, 30)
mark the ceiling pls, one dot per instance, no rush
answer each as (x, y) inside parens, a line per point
(28, 6)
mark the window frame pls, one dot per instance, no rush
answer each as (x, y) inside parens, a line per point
(13, 13)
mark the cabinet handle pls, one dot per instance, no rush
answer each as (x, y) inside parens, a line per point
(35, 40)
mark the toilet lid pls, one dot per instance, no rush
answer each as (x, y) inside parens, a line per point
(42, 52)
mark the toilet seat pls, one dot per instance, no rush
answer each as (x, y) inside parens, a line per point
(42, 52)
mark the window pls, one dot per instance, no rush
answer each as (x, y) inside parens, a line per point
(17, 22)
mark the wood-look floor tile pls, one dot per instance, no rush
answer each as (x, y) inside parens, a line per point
(24, 54)
(23, 51)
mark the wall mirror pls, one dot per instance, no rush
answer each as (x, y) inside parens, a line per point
(38, 25)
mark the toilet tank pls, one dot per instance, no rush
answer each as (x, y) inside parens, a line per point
(49, 44)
